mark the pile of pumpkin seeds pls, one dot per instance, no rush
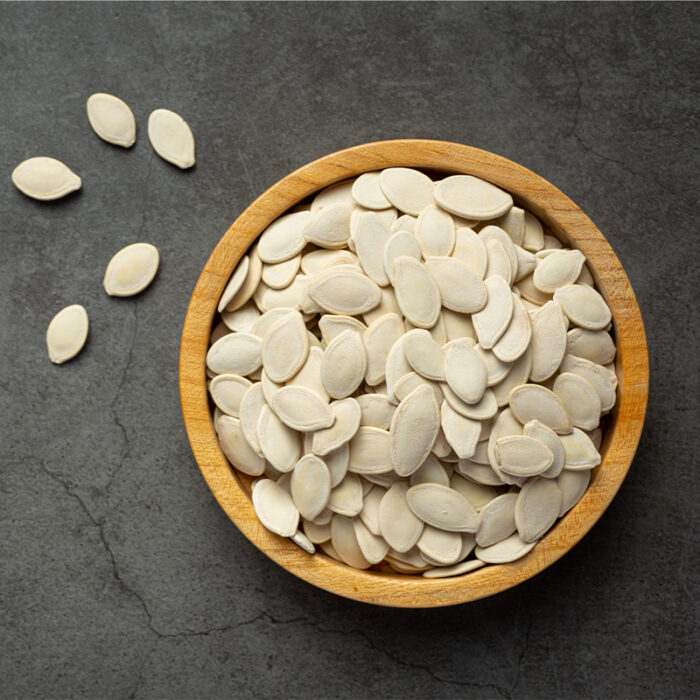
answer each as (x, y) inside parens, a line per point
(414, 371)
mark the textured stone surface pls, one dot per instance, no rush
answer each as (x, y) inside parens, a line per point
(120, 575)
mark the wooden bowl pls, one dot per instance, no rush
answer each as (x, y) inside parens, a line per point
(567, 222)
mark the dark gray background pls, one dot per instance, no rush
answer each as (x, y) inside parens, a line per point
(120, 575)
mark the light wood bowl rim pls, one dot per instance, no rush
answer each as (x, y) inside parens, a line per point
(565, 220)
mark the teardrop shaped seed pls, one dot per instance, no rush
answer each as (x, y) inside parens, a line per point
(236, 447)
(477, 494)
(311, 486)
(370, 451)
(250, 407)
(369, 514)
(243, 319)
(279, 443)
(398, 525)
(376, 410)
(275, 508)
(594, 346)
(414, 427)
(539, 431)
(443, 507)
(379, 339)
(303, 542)
(343, 291)
(346, 497)
(171, 138)
(435, 231)
(515, 341)
(520, 455)
(45, 178)
(344, 364)
(497, 520)
(572, 485)
(499, 264)
(367, 192)
(347, 421)
(67, 333)
(317, 261)
(483, 410)
(329, 227)
(457, 326)
(533, 239)
(580, 400)
(228, 391)
(472, 198)
(409, 190)
(371, 237)
(460, 289)
(465, 371)
(424, 354)
(441, 546)
(548, 341)
(373, 547)
(518, 374)
(131, 270)
(337, 462)
(495, 233)
(529, 401)
(579, 450)
(462, 433)
(537, 508)
(345, 542)
(507, 550)
(479, 473)
(400, 243)
(416, 291)
(111, 119)
(492, 321)
(280, 275)
(285, 348)
(526, 263)
(235, 353)
(471, 250)
(339, 192)
(600, 378)
(302, 409)
(456, 570)
(556, 270)
(309, 376)
(284, 238)
(332, 325)
(250, 283)
(317, 533)
(430, 472)
(584, 306)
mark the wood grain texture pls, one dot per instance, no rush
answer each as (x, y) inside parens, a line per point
(567, 222)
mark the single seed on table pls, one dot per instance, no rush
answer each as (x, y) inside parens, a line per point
(370, 451)
(580, 400)
(275, 508)
(370, 238)
(339, 192)
(278, 442)
(443, 507)
(424, 354)
(414, 427)
(243, 319)
(572, 485)
(442, 547)
(111, 119)
(302, 541)
(477, 494)
(399, 527)
(471, 250)
(280, 275)
(539, 431)
(344, 364)
(579, 450)
(369, 514)
(507, 550)
(171, 138)
(285, 348)
(249, 411)
(533, 240)
(67, 333)
(373, 547)
(594, 346)
(250, 283)
(461, 433)
(332, 325)
(45, 178)
(379, 339)
(367, 192)
(235, 353)
(311, 486)
(558, 269)
(537, 508)
(497, 520)
(302, 409)
(417, 292)
(329, 227)
(520, 455)
(499, 264)
(346, 424)
(465, 372)
(435, 231)
(529, 401)
(410, 191)
(601, 379)
(131, 270)
(345, 542)
(376, 410)
(492, 321)
(460, 289)
(317, 533)
(472, 198)
(548, 341)
(343, 291)
(227, 391)
(236, 448)
(346, 497)
(516, 340)
(584, 306)
(284, 238)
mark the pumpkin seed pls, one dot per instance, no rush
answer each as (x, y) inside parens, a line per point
(601, 379)
(435, 231)
(479, 473)
(529, 401)
(369, 514)
(430, 472)
(497, 520)
(344, 364)
(507, 550)
(275, 508)
(513, 223)
(111, 119)
(584, 306)
(396, 367)
(332, 325)
(131, 270)
(533, 240)
(515, 341)
(441, 546)
(400, 243)
(461, 433)
(370, 451)
(579, 450)
(285, 347)
(284, 238)
(269, 388)
(45, 178)
(572, 485)
(594, 346)
(337, 193)
(465, 372)
(424, 354)
(482, 410)
(243, 319)
(526, 263)
(67, 333)
(405, 222)
(548, 341)
(477, 494)
(539, 431)
(249, 411)
(329, 227)
(518, 373)
(343, 291)
(280, 275)
(561, 268)
(310, 486)
(443, 507)
(471, 250)
(227, 391)
(367, 192)
(373, 547)
(171, 138)
(580, 400)
(457, 326)
(371, 238)
(236, 448)
(337, 461)
(301, 540)
(375, 410)
(278, 442)
(455, 570)
(492, 321)
(346, 497)
(520, 455)
(399, 527)
(379, 338)
(346, 424)
(235, 353)
(410, 191)
(316, 261)
(309, 376)
(499, 264)
(417, 293)
(530, 293)
(345, 542)
(460, 289)
(302, 409)
(387, 305)
(472, 198)
(317, 534)
(537, 508)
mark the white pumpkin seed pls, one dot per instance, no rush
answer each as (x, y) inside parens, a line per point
(370, 451)
(529, 292)
(520, 455)
(249, 285)
(435, 231)
(443, 507)
(302, 409)
(379, 339)
(456, 570)
(275, 508)
(600, 378)
(497, 520)
(405, 222)
(369, 514)
(492, 321)
(302, 541)
(584, 306)
(413, 380)
(457, 326)
(67, 333)
(373, 547)
(430, 472)
(548, 341)
(236, 448)
(465, 372)
(495, 233)
(483, 410)
(131, 270)
(595, 346)
(227, 391)
(533, 240)
(440, 546)
(337, 462)
(278, 442)
(45, 178)
(344, 364)
(526, 263)
(410, 191)
(417, 293)
(558, 269)
(171, 138)
(387, 305)
(537, 508)
(461, 433)
(338, 193)
(347, 421)
(371, 237)
(111, 119)
(310, 486)
(280, 275)
(235, 353)
(460, 289)
(332, 325)
(285, 348)
(399, 527)
(539, 431)
(400, 243)
(580, 400)
(518, 373)
(515, 341)
(249, 411)
(284, 238)
(367, 192)
(505, 551)
(513, 223)
(579, 450)
(309, 376)
(317, 534)
(572, 485)
(529, 401)
(316, 261)
(499, 264)
(329, 227)
(343, 291)
(424, 354)
(479, 473)
(269, 388)
(375, 410)
(243, 319)
(472, 198)
(346, 497)
(477, 494)
(471, 250)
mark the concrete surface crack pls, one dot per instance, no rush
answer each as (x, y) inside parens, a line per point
(521, 657)
(245, 171)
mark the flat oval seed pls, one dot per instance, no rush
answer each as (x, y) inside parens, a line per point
(537, 508)
(370, 451)
(572, 485)
(424, 354)
(515, 341)
(344, 364)
(465, 371)
(235, 353)
(309, 376)
(111, 119)
(492, 321)
(371, 237)
(529, 401)
(414, 427)
(397, 524)
(457, 326)
(430, 472)
(461, 433)
(400, 243)
(483, 410)
(329, 227)
(280, 275)
(497, 520)
(477, 494)
(472, 198)
(285, 348)
(275, 508)
(302, 409)
(250, 283)
(580, 400)
(584, 306)
(342, 291)
(345, 542)
(579, 451)
(302, 541)
(228, 391)
(171, 138)
(505, 551)
(558, 269)
(317, 261)
(346, 497)
(131, 270)
(519, 455)
(471, 250)
(373, 547)
(526, 263)
(479, 473)
(332, 325)
(337, 462)
(45, 178)
(236, 448)
(243, 319)
(311, 486)
(460, 289)
(387, 305)
(539, 431)
(533, 240)
(499, 264)
(367, 192)
(376, 410)
(416, 291)
(251, 405)
(435, 231)
(369, 514)
(457, 570)
(67, 333)
(548, 341)
(410, 191)
(600, 378)
(441, 546)
(317, 533)
(339, 192)
(594, 346)
(283, 238)
(443, 507)
(347, 421)
(278, 442)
